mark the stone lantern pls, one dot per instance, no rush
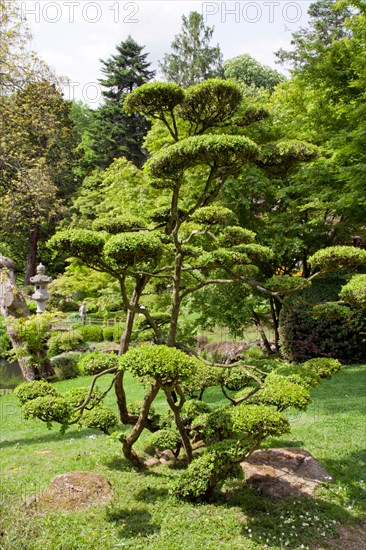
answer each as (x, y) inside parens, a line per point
(41, 281)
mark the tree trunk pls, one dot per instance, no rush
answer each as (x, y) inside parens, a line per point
(12, 304)
(178, 421)
(32, 254)
(276, 307)
(141, 423)
(259, 326)
(125, 417)
(175, 300)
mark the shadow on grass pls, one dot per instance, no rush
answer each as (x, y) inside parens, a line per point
(151, 494)
(286, 523)
(350, 472)
(122, 464)
(52, 436)
(132, 523)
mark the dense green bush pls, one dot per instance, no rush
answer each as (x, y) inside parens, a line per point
(91, 333)
(64, 341)
(100, 418)
(162, 440)
(337, 332)
(49, 409)
(282, 393)
(300, 374)
(76, 397)
(258, 422)
(192, 409)
(215, 425)
(27, 391)
(108, 333)
(65, 365)
(207, 472)
(235, 378)
(170, 365)
(305, 336)
(323, 367)
(117, 333)
(97, 361)
(5, 344)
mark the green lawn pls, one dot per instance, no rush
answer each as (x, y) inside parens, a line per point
(143, 516)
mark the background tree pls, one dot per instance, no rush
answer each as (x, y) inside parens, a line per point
(192, 60)
(115, 133)
(327, 24)
(19, 64)
(36, 165)
(245, 69)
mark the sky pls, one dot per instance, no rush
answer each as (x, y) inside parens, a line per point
(73, 35)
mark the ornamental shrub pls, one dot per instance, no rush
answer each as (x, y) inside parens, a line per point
(97, 361)
(49, 409)
(100, 418)
(192, 409)
(108, 333)
(282, 393)
(258, 421)
(206, 472)
(27, 391)
(76, 397)
(323, 367)
(64, 341)
(235, 378)
(307, 334)
(354, 292)
(162, 440)
(300, 374)
(215, 425)
(91, 333)
(168, 365)
(65, 365)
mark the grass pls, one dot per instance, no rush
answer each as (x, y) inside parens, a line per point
(143, 516)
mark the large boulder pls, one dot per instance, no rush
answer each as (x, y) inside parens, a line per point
(281, 473)
(74, 490)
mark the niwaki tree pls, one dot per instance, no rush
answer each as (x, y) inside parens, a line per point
(186, 240)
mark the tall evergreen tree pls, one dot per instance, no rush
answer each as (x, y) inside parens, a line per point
(117, 134)
(327, 23)
(192, 60)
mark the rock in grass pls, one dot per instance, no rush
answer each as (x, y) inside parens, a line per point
(75, 490)
(282, 473)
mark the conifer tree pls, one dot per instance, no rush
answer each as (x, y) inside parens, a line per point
(192, 60)
(115, 133)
